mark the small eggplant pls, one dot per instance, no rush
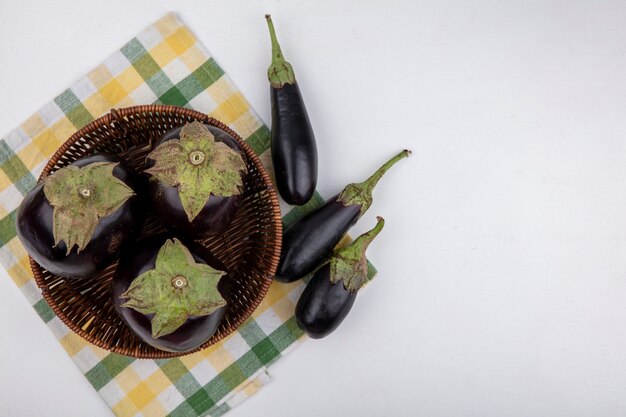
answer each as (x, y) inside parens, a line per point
(169, 296)
(311, 240)
(90, 204)
(330, 294)
(197, 177)
(294, 151)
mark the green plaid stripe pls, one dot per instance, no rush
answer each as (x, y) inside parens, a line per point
(107, 369)
(43, 309)
(73, 109)
(13, 167)
(200, 79)
(7, 228)
(15, 170)
(259, 141)
(149, 70)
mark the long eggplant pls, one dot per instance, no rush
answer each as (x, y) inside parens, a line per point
(311, 240)
(294, 151)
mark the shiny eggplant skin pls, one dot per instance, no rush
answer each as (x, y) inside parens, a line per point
(34, 228)
(196, 330)
(311, 240)
(294, 151)
(217, 213)
(323, 305)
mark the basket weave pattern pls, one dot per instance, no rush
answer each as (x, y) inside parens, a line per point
(249, 249)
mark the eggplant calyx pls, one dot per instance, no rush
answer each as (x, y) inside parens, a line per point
(80, 197)
(349, 264)
(199, 166)
(361, 193)
(176, 289)
(280, 71)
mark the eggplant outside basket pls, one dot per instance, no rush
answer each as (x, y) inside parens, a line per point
(250, 248)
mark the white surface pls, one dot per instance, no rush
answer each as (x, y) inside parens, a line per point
(502, 282)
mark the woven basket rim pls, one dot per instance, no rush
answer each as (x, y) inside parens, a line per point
(112, 119)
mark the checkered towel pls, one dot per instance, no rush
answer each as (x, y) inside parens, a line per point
(164, 64)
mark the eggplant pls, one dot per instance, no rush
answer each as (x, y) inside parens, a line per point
(171, 295)
(311, 240)
(294, 151)
(328, 297)
(196, 179)
(74, 222)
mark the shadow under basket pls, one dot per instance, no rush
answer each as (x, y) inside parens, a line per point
(250, 248)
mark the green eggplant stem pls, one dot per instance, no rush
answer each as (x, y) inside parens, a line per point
(280, 71)
(349, 264)
(277, 53)
(357, 248)
(371, 182)
(361, 193)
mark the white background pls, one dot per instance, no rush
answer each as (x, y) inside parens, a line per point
(502, 284)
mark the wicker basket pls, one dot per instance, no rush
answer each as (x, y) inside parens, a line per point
(250, 248)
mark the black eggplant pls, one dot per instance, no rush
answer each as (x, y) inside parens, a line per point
(75, 221)
(197, 178)
(170, 294)
(310, 241)
(328, 297)
(294, 151)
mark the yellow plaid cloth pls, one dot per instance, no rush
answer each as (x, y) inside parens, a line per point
(163, 64)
